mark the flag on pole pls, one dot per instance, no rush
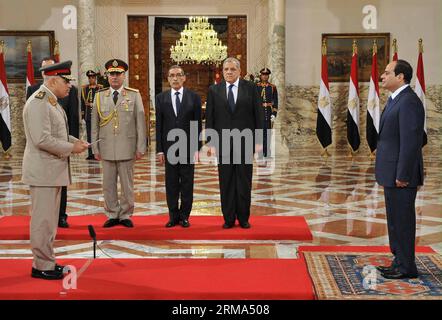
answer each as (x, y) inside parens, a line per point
(5, 111)
(323, 121)
(57, 52)
(394, 50)
(353, 103)
(420, 86)
(30, 68)
(373, 109)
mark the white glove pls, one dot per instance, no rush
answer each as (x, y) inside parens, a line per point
(272, 118)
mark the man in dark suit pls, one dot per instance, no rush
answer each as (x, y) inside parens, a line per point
(70, 105)
(399, 166)
(234, 105)
(178, 109)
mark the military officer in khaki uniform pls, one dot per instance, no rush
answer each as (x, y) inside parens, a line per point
(46, 164)
(118, 139)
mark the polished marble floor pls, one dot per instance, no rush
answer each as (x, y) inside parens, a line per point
(337, 195)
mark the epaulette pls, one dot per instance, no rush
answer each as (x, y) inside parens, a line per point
(272, 85)
(40, 95)
(131, 89)
(103, 89)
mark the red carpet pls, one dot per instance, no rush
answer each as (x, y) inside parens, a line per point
(386, 249)
(152, 228)
(163, 279)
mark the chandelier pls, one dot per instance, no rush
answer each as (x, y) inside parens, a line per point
(199, 43)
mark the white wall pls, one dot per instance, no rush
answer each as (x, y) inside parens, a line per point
(406, 20)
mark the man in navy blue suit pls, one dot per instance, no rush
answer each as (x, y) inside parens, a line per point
(178, 109)
(399, 166)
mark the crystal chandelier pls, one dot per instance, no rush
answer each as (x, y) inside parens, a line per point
(199, 43)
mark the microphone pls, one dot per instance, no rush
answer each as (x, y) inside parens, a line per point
(93, 236)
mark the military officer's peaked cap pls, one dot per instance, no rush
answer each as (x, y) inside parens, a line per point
(265, 71)
(91, 73)
(62, 69)
(116, 65)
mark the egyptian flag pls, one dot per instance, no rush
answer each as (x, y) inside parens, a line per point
(420, 86)
(30, 81)
(353, 103)
(394, 50)
(5, 111)
(373, 109)
(57, 52)
(323, 121)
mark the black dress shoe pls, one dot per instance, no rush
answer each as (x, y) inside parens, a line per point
(111, 223)
(59, 268)
(170, 224)
(46, 274)
(185, 223)
(395, 274)
(63, 223)
(228, 225)
(384, 268)
(245, 225)
(127, 223)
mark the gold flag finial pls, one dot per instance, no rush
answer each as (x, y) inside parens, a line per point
(355, 47)
(56, 47)
(29, 47)
(375, 47)
(2, 45)
(421, 46)
(394, 45)
(324, 47)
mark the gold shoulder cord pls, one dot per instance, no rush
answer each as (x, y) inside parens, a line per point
(103, 120)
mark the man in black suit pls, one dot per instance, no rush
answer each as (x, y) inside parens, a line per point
(70, 105)
(399, 166)
(177, 110)
(234, 106)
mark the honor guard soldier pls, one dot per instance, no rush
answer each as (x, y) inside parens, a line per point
(118, 139)
(46, 163)
(87, 100)
(269, 97)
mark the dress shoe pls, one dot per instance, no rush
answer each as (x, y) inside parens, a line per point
(90, 158)
(170, 224)
(385, 268)
(245, 225)
(60, 268)
(228, 225)
(127, 223)
(185, 223)
(46, 274)
(63, 223)
(111, 223)
(395, 274)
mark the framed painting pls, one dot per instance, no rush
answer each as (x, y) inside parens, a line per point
(15, 52)
(340, 50)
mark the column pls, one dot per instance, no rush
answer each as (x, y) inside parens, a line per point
(86, 38)
(276, 59)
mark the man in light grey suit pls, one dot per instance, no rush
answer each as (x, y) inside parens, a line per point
(46, 164)
(118, 139)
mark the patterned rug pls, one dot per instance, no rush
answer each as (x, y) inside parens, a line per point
(352, 275)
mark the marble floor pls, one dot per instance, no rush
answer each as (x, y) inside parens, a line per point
(337, 195)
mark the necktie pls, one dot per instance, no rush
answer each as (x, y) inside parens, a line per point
(177, 102)
(115, 97)
(231, 99)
